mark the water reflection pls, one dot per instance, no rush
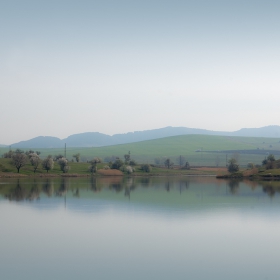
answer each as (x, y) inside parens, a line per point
(201, 188)
(63, 187)
(17, 193)
(234, 186)
(160, 226)
(48, 187)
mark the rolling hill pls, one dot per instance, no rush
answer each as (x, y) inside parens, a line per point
(96, 139)
(197, 149)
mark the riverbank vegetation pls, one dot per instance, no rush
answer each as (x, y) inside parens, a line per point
(29, 163)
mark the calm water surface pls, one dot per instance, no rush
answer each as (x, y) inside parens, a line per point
(139, 228)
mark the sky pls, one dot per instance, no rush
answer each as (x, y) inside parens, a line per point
(69, 67)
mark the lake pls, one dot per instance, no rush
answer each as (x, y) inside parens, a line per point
(139, 228)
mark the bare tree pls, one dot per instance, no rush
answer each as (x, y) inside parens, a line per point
(19, 159)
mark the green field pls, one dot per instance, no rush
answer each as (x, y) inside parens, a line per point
(173, 147)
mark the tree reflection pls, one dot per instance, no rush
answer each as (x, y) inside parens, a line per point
(167, 186)
(233, 186)
(76, 193)
(117, 187)
(93, 185)
(18, 193)
(48, 188)
(127, 192)
(269, 190)
(145, 181)
(34, 192)
(130, 185)
(62, 188)
(183, 185)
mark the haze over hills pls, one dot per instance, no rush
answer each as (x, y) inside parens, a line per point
(96, 139)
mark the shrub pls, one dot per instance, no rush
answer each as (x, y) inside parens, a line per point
(146, 168)
(132, 162)
(117, 164)
(250, 165)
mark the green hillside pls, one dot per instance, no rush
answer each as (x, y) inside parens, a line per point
(185, 145)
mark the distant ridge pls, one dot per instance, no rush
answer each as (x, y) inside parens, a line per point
(96, 139)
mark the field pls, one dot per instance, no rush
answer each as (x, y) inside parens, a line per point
(199, 150)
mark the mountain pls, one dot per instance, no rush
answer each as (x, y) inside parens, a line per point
(266, 131)
(96, 139)
(39, 142)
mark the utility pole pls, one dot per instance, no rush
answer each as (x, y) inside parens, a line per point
(65, 151)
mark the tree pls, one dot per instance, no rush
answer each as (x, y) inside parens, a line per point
(270, 157)
(127, 157)
(232, 165)
(168, 163)
(93, 164)
(63, 163)
(129, 169)
(217, 160)
(77, 157)
(35, 161)
(187, 166)
(157, 161)
(19, 159)
(9, 154)
(57, 157)
(181, 160)
(48, 163)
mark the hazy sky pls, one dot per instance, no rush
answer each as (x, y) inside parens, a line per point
(116, 66)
